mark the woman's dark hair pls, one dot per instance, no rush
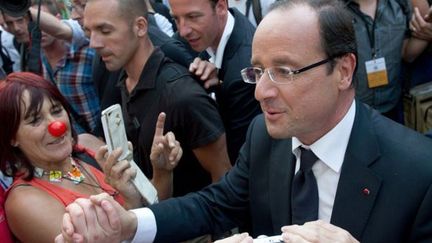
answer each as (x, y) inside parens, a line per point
(12, 160)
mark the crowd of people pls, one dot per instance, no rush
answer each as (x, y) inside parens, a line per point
(267, 118)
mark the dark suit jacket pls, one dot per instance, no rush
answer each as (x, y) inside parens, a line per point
(236, 99)
(393, 162)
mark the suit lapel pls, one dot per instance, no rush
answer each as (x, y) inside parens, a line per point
(280, 174)
(358, 186)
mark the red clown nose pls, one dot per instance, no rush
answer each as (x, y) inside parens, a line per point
(57, 128)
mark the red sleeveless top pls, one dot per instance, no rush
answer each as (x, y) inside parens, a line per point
(66, 196)
(5, 234)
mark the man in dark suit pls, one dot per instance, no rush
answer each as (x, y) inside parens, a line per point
(373, 176)
(225, 36)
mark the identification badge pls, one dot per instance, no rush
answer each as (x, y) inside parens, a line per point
(376, 72)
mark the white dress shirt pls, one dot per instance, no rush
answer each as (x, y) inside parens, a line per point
(216, 56)
(330, 149)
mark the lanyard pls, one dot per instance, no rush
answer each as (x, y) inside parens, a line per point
(370, 33)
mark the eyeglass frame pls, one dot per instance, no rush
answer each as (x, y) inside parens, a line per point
(292, 72)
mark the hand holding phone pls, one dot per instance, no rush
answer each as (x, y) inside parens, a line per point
(115, 136)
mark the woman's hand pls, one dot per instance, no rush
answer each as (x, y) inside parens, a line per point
(119, 174)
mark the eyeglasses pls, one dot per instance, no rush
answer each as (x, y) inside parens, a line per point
(277, 74)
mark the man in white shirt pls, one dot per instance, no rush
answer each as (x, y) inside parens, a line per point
(373, 176)
(225, 36)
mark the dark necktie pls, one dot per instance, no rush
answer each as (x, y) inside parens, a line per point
(304, 193)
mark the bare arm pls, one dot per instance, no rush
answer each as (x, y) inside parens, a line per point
(414, 46)
(28, 206)
(214, 158)
(53, 26)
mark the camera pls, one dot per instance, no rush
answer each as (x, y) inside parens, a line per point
(15, 8)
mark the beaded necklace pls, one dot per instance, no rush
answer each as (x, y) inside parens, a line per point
(75, 175)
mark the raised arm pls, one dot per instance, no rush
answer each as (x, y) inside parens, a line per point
(52, 25)
(165, 154)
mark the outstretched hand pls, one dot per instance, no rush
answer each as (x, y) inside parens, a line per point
(99, 219)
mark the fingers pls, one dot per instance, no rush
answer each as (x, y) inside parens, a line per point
(111, 161)
(428, 16)
(237, 238)
(209, 71)
(156, 151)
(316, 231)
(299, 232)
(160, 123)
(112, 215)
(417, 20)
(59, 239)
(293, 238)
(77, 219)
(206, 71)
(97, 199)
(130, 146)
(170, 139)
(197, 67)
(212, 82)
(67, 226)
(94, 220)
(101, 154)
(90, 215)
(119, 171)
(67, 231)
(175, 154)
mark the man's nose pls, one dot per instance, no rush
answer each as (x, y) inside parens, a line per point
(183, 28)
(95, 42)
(264, 87)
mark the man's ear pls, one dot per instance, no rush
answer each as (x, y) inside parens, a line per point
(346, 68)
(141, 26)
(221, 7)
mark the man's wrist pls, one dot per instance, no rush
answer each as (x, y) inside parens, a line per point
(131, 228)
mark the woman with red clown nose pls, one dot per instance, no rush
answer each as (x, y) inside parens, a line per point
(39, 149)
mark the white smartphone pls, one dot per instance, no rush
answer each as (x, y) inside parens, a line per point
(115, 136)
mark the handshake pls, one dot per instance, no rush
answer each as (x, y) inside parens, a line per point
(15, 8)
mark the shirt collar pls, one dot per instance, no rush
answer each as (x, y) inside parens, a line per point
(148, 75)
(217, 57)
(331, 148)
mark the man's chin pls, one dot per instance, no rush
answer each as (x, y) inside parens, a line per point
(276, 131)
(112, 67)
